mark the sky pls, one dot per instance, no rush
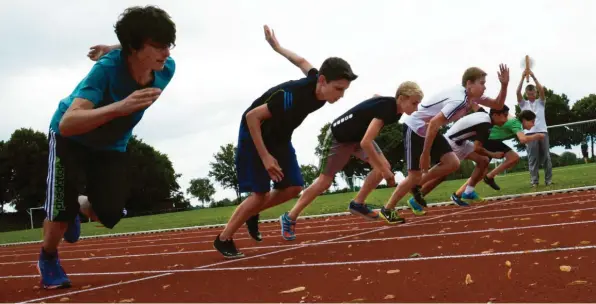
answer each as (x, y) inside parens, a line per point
(224, 63)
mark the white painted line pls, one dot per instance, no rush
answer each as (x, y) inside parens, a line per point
(96, 288)
(417, 223)
(339, 263)
(417, 236)
(243, 259)
(550, 192)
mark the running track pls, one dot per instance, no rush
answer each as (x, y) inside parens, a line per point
(514, 250)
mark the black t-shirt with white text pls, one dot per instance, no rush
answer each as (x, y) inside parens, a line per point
(352, 125)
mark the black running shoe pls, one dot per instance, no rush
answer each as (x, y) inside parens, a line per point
(391, 216)
(227, 248)
(491, 183)
(253, 227)
(418, 196)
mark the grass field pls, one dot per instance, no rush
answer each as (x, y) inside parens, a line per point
(563, 177)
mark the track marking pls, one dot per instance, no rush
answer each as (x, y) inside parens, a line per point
(339, 263)
(319, 244)
(411, 224)
(269, 253)
(308, 217)
(97, 288)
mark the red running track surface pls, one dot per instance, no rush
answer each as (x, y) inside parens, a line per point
(531, 249)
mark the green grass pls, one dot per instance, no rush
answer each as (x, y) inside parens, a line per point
(564, 177)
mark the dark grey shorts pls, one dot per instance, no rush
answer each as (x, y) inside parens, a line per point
(336, 155)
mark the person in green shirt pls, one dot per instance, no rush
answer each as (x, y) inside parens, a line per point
(512, 128)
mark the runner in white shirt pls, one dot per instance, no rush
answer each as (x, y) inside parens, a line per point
(421, 128)
(468, 138)
(538, 150)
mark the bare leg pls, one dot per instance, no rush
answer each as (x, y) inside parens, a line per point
(245, 210)
(370, 183)
(277, 197)
(449, 163)
(403, 188)
(477, 174)
(52, 235)
(511, 158)
(322, 183)
(432, 184)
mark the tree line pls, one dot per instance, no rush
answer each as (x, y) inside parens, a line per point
(154, 182)
(558, 111)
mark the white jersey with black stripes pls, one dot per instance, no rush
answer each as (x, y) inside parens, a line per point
(453, 103)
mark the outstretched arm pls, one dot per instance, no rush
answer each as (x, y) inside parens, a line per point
(294, 58)
(520, 97)
(498, 102)
(96, 51)
(524, 139)
(539, 87)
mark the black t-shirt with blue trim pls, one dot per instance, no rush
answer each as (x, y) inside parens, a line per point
(289, 103)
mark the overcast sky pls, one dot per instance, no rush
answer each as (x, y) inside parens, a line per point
(224, 63)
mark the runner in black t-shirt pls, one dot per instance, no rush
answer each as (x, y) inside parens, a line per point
(265, 152)
(353, 134)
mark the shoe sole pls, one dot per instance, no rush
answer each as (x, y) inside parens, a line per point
(354, 212)
(281, 225)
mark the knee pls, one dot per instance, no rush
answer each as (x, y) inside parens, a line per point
(513, 157)
(483, 162)
(413, 178)
(453, 163)
(294, 190)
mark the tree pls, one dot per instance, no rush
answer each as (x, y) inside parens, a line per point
(309, 174)
(154, 186)
(24, 168)
(5, 197)
(223, 169)
(202, 189)
(585, 109)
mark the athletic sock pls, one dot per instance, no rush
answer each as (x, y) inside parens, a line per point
(469, 190)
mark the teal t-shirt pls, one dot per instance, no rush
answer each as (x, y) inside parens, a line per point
(108, 82)
(506, 131)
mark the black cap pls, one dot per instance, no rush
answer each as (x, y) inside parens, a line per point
(335, 68)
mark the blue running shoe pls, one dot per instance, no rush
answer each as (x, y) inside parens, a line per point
(472, 196)
(288, 227)
(456, 199)
(73, 232)
(363, 210)
(52, 273)
(416, 208)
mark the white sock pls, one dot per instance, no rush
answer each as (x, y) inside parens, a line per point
(469, 190)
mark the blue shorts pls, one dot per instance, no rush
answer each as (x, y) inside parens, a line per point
(252, 176)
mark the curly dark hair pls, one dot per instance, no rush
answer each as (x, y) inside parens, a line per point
(137, 25)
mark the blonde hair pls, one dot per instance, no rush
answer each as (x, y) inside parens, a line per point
(409, 88)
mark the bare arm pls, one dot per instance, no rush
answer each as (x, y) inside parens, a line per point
(431, 132)
(478, 148)
(294, 58)
(254, 118)
(498, 102)
(524, 139)
(520, 97)
(540, 88)
(81, 117)
(367, 145)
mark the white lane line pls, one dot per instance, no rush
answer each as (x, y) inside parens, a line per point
(97, 288)
(319, 244)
